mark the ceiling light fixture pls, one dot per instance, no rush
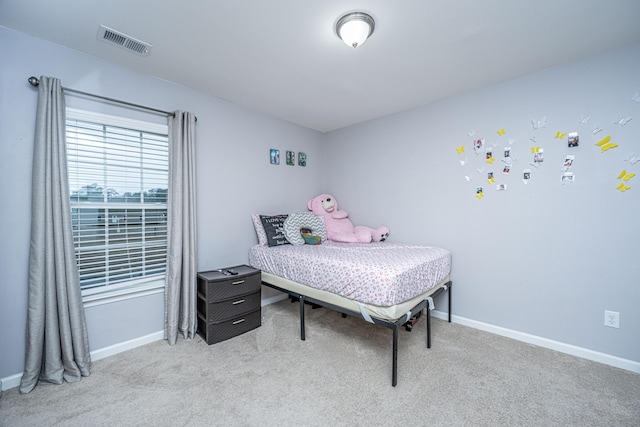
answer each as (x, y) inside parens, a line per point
(354, 28)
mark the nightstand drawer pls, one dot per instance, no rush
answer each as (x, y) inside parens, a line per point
(216, 332)
(215, 286)
(223, 310)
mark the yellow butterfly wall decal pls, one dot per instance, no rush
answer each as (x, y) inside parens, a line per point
(479, 195)
(603, 141)
(501, 132)
(605, 144)
(608, 146)
(626, 176)
(622, 187)
(535, 149)
(460, 150)
(560, 135)
(491, 180)
(490, 160)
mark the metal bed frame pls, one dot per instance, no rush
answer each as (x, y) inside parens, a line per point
(391, 324)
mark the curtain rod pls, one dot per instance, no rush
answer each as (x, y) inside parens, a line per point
(34, 81)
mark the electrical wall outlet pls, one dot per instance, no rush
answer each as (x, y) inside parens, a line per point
(611, 319)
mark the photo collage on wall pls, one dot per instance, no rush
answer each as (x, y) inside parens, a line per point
(290, 157)
(501, 154)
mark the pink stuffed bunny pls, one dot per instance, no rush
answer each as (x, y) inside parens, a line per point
(339, 227)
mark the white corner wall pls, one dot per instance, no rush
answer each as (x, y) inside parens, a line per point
(540, 260)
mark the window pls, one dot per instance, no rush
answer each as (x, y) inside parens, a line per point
(118, 179)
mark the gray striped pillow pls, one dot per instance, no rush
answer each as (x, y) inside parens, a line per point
(297, 221)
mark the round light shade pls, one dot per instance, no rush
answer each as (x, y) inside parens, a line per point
(354, 28)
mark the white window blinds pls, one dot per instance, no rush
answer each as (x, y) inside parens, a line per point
(118, 175)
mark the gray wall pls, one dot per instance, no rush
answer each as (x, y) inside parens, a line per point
(234, 178)
(544, 258)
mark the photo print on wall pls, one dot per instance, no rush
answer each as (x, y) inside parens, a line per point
(568, 162)
(302, 159)
(489, 156)
(291, 158)
(573, 139)
(568, 178)
(478, 145)
(538, 155)
(274, 156)
(490, 178)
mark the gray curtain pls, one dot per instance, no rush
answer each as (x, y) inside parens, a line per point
(57, 346)
(180, 289)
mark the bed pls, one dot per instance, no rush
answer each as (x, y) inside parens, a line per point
(381, 282)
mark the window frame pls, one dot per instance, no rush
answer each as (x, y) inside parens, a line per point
(137, 287)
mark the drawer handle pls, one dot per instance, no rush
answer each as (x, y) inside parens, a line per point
(238, 321)
(239, 282)
(240, 301)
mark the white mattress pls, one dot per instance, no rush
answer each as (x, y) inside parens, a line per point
(379, 273)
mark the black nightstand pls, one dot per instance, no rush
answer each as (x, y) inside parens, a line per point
(228, 304)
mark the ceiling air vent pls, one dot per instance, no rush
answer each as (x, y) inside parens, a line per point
(108, 35)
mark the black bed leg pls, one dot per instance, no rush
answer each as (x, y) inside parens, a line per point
(428, 315)
(449, 300)
(302, 337)
(394, 372)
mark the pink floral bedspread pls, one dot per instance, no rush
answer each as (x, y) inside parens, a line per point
(381, 273)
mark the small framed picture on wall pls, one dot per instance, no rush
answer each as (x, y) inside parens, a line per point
(291, 158)
(302, 159)
(274, 156)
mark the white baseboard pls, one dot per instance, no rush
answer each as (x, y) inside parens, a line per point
(14, 380)
(10, 382)
(607, 359)
(126, 345)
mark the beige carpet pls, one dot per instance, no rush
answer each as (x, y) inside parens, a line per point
(341, 375)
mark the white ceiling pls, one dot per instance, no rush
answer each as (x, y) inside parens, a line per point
(282, 57)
